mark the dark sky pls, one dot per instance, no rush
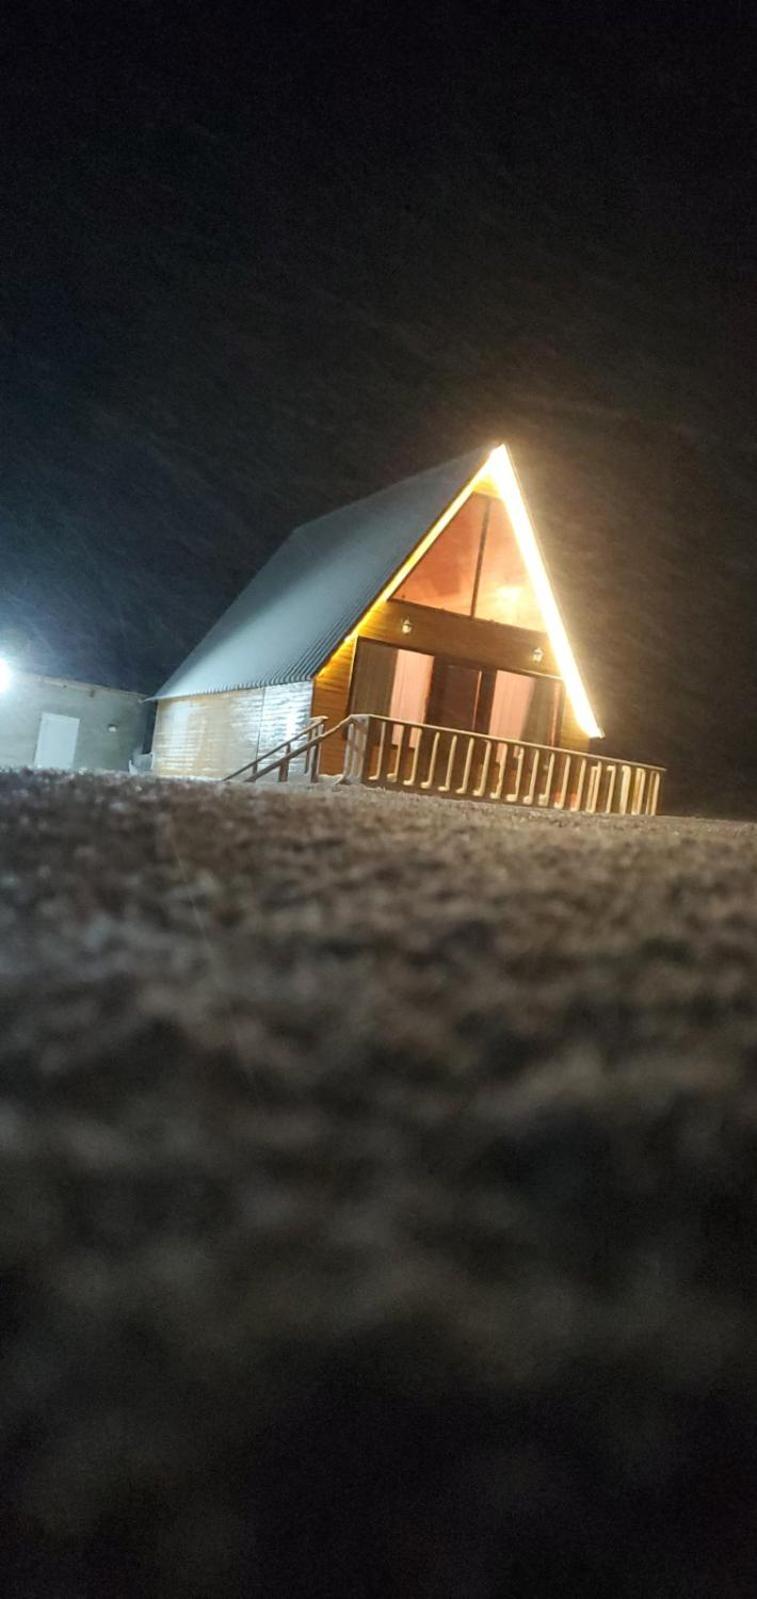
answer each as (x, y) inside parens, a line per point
(257, 262)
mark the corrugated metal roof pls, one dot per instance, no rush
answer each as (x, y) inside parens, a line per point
(292, 616)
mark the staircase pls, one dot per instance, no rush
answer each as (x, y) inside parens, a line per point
(415, 758)
(277, 761)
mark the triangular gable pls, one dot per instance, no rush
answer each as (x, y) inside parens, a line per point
(527, 598)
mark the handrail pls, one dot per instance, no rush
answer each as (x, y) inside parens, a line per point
(316, 721)
(314, 742)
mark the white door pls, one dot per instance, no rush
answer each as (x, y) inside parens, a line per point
(56, 740)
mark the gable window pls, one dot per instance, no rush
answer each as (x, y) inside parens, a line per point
(475, 568)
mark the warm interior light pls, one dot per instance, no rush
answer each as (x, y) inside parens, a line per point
(5, 675)
(416, 554)
(502, 471)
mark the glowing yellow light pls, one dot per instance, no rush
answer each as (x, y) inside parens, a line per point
(501, 468)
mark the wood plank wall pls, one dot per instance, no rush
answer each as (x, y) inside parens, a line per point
(331, 692)
(208, 735)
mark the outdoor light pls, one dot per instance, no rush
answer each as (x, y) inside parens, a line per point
(5, 675)
(538, 655)
(508, 598)
(407, 626)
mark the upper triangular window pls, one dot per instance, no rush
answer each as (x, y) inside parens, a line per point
(475, 568)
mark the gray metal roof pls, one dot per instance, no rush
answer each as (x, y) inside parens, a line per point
(297, 609)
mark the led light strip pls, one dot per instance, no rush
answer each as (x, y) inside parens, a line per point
(501, 468)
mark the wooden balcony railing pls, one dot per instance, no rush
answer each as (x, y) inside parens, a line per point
(412, 757)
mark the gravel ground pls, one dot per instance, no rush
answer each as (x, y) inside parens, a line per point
(378, 1197)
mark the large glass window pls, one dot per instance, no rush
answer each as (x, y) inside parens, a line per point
(445, 575)
(504, 593)
(414, 687)
(475, 568)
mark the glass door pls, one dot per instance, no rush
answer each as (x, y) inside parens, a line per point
(454, 695)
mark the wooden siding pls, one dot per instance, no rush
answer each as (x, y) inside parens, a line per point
(570, 736)
(463, 638)
(208, 735)
(331, 692)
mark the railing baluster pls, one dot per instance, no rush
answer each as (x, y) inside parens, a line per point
(357, 749)
(503, 752)
(391, 777)
(463, 789)
(543, 798)
(367, 726)
(559, 802)
(638, 791)
(528, 798)
(384, 746)
(654, 789)
(428, 781)
(580, 786)
(519, 755)
(445, 787)
(481, 790)
(409, 781)
(625, 787)
(611, 780)
(594, 781)
(349, 753)
(396, 775)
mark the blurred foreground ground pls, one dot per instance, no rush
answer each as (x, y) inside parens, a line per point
(378, 1204)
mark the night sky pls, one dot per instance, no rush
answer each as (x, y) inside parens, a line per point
(256, 263)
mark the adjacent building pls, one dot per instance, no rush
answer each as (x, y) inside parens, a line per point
(56, 722)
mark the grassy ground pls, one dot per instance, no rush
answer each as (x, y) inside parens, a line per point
(379, 1202)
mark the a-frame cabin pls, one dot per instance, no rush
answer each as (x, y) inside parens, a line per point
(412, 640)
